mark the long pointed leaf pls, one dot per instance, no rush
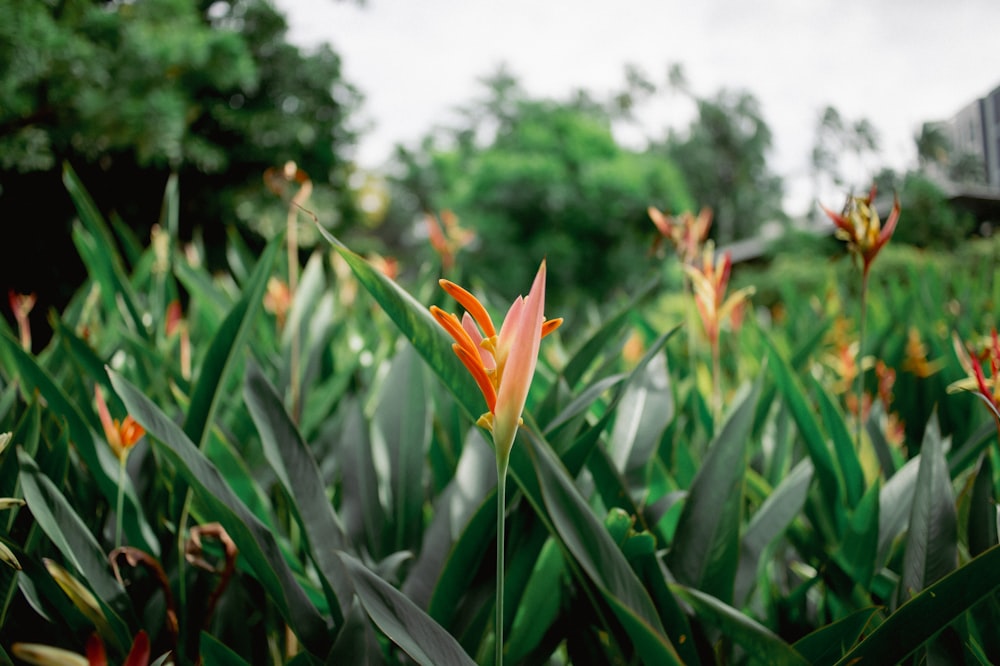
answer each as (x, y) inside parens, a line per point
(406, 625)
(255, 541)
(705, 551)
(226, 346)
(299, 475)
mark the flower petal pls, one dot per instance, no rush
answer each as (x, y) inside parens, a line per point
(519, 368)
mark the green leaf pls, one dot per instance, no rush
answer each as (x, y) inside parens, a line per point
(859, 547)
(812, 436)
(705, 551)
(843, 445)
(922, 617)
(214, 651)
(402, 622)
(646, 408)
(982, 526)
(226, 346)
(403, 425)
(99, 460)
(75, 542)
(300, 478)
(826, 645)
(100, 252)
(360, 506)
(591, 546)
(895, 502)
(932, 537)
(761, 644)
(768, 523)
(416, 323)
(540, 606)
(255, 541)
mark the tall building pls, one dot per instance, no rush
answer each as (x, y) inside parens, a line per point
(974, 133)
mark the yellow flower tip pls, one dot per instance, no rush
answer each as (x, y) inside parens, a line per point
(45, 655)
(11, 502)
(8, 557)
(5, 438)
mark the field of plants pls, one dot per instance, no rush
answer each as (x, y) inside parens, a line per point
(285, 464)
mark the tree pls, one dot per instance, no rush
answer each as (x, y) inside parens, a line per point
(542, 178)
(128, 92)
(723, 156)
(841, 148)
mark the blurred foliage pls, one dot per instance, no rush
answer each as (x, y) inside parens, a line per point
(312, 488)
(931, 221)
(536, 178)
(129, 92)
(723, 156)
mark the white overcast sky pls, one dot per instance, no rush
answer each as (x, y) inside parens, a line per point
(894, 62)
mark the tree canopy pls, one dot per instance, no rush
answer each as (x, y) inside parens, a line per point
(128, 92)
(543, 178)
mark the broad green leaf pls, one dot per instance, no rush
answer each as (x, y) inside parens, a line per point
(226, 346)
(255, 541)
(75, 542)
(300, 478)
(416, 323)
(592, 548)
(763, 646)
(843, 445)
(214, 651)
(362, 510)
(539, 607)
(705, 550)
(443, 561)
(402, 622)
(895, 501)
(932, 537)
(646, 408)
(859, 547)
(402, 428)
(805, 419)
(826, 645)
(100, 462)
(769, 522)
(922, 616)
(982, 526)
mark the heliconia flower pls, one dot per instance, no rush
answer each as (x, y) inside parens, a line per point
(447, 237)
(710, 281)
(278, 300)
(121, 435)
(915, 361)
(503, 363)
(21, 305)
(860, 226)
(986, 388)
(44, 655)
(686, 231)
(387, 266)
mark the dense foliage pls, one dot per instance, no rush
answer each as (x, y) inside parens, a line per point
(311, 487)
(130, 92)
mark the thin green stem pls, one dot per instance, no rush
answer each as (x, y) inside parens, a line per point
(501, 516)
(121, 499)
(861, 353)
(716, 383)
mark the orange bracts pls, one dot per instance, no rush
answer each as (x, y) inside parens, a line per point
(502, 363)
(121, 436)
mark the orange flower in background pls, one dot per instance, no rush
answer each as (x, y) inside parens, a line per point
(447, 237)
(860, 226)
(387, 266)
(985, 388)
(278, 300)
(121, 436)
(710, 281)
(503, 363)
(686, 231)
(915, 361)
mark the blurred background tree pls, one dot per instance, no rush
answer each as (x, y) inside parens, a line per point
(129, 92)
(723, 156)
(543, 178)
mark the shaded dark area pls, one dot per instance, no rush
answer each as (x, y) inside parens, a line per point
(130, 93)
